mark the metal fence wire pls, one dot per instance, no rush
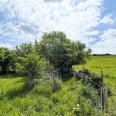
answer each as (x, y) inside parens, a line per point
(99, 102)
(57, 73)
(50, 72)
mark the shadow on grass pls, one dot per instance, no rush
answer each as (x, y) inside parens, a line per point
(25, 88)
(66, 77)
(18, 91)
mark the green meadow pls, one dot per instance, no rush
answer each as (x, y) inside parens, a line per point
(43, 100)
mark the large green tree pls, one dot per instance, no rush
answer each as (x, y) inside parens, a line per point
(61, 52)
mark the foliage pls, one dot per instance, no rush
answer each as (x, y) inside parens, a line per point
(24, 49)
(4, 59)
(61, 52)
(54, 47)
(31, 65)
(11, 65)
(25, 60)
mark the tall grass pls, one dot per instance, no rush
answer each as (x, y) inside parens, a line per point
(12, 87)
(42, 100)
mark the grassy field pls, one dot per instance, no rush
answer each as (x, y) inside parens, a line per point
(98, 63)
(42, 100)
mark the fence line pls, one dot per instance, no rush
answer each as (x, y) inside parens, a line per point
(56, 73)
(103, 98)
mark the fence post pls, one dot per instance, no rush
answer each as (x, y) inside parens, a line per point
(104, 97)
(83, 67)
(101, 90)
(102, 74)
(93, 74)
(54, 84)
(74, 72)
(60, 74)
(90, 72)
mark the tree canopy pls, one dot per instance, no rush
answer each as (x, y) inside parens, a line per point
(61, 52)
(54, 48)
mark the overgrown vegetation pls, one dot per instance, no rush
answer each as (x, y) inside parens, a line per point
(42, 100)
(108, 65)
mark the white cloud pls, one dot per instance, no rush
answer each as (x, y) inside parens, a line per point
(107, 43)
(52, 0)
(26, 20)
(73, 20)
(7, 45)
(107, 19)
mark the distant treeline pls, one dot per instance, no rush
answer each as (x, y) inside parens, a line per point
(107, 54)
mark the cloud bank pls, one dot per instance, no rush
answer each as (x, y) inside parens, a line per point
(81, 20)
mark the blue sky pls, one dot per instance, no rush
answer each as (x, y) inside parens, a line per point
(92, 22)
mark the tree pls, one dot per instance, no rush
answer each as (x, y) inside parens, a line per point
(28, 61)
(4, 59)
(61, 52)
(35, 65)
(11, 65)
(24, 49)
(16, 57)
(31, 65)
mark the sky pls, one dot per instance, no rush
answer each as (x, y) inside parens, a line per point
(92, 22)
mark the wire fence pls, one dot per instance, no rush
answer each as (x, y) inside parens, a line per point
(100, 102)
(51, 72)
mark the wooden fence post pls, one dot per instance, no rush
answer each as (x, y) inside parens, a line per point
(74, 74)
(90, 72)
(93, 74)
(54, 84)
(102, 74)
(104, 97)
(60, 74)
(101, 89)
